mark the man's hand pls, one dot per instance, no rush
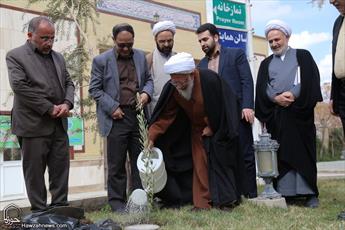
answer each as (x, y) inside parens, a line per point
(64, 110)
(207, 131)
(285, 99)
(55, 111)
(248, 114)
(150, 144)
(144, 99)
(118, 114)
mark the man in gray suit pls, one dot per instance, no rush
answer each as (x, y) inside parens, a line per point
(43, 96)
(116, 77)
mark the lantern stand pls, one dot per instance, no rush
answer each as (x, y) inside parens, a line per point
(267, 167)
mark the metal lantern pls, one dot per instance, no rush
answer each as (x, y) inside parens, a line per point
(266, 163)
(156, 17)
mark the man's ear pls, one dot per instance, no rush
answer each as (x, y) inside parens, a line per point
(29, 35)
(216, 38)
(193, 74)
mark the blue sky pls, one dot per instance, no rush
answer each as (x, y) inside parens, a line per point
(311, 26)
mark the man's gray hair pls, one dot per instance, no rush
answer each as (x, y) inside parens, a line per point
(36, 21)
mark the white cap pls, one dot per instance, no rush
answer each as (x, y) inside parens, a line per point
(180, 63)
(278, 25)
(162, 26)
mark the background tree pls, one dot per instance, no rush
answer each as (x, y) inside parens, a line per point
(319, 3)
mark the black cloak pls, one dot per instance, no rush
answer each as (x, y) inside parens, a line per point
(225, 165)
(293, 127)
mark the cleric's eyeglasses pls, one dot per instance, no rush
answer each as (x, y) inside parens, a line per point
(125, 45)
(181, 81)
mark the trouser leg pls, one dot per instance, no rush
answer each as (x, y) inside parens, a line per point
(35, 151)
(247, 152)
(117, 146)
(134, 149)
(116, 156)
(58, 167)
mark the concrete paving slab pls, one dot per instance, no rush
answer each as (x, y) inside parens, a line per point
(88, 201)
(274, 203)
(331, 166)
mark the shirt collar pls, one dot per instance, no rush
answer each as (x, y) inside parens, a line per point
(117, 56)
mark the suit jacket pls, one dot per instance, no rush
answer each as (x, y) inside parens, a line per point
(105, 85)
(31, 89)
(235, 70)
(335, 89)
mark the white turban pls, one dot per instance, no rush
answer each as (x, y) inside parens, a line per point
(278, 25)
(163, 25)
(180, 63)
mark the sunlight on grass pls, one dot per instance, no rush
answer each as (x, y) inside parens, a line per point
(248, 215)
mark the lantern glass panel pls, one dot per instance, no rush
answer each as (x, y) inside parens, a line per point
(265, 164)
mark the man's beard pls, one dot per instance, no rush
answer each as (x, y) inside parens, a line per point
(281, 51)
(165, 51)
(187, 93)
(210, 49)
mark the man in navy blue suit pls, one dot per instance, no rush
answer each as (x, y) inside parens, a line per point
(231, 64)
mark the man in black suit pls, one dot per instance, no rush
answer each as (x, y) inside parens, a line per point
(337, 103)
(43, 96)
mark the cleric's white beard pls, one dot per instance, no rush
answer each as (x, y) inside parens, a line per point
(281, 51)
(187, 93)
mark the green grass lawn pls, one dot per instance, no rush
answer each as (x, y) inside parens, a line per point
(248, 215)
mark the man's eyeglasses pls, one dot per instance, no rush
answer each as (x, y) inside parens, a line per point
(47, 38)
(124, 45)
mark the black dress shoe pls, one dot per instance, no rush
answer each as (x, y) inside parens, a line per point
(341, 215)
(74, 212)
(312, 202)
(120, 210)
(229, 206)
(119, 207)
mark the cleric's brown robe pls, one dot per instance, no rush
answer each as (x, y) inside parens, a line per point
(194, 109)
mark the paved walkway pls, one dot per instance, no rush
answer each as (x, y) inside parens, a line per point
(91, 200)
(331, 169)
(86, 200)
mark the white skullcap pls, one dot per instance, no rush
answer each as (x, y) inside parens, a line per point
(163, 25)
(278, 25)
(180, 63)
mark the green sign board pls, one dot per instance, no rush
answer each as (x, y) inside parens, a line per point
(7, 139)
(229, 14)
(75, 131)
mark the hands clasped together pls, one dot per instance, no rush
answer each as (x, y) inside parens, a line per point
(285, 99)
(61, 110)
